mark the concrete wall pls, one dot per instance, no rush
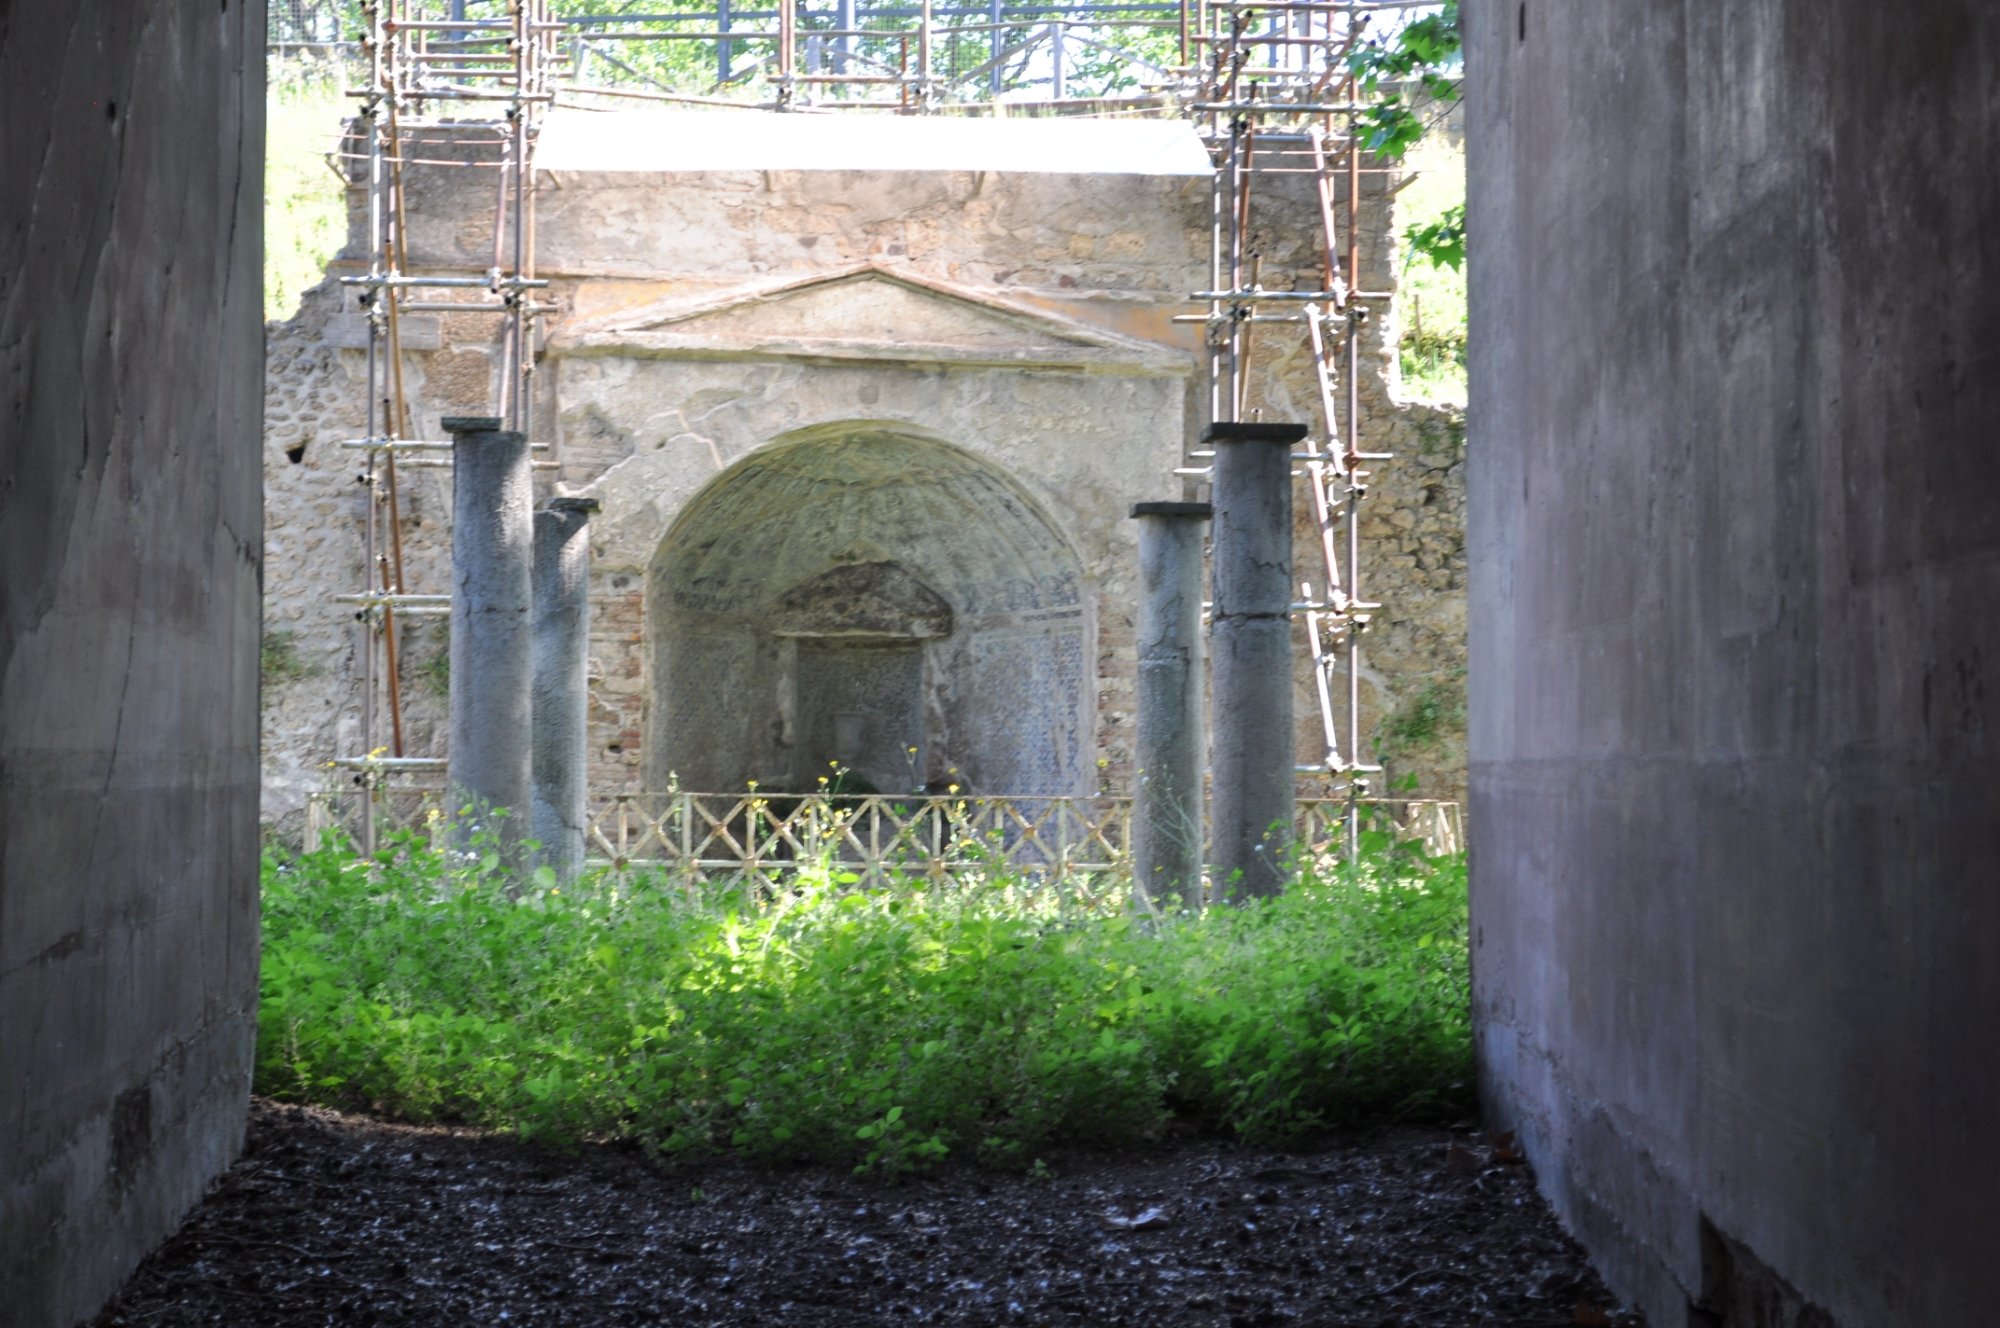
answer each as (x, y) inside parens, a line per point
(1735, 555)
(130, 294)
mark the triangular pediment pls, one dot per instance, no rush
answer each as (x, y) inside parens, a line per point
(872, 306)
(867, 313)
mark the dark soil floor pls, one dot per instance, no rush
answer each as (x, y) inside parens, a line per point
(343, 1220)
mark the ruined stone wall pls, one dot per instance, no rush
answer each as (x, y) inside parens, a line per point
(1117, 254)
(130, 357)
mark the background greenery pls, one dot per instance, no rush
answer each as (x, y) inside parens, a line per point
(1431, 285)
(305, 214)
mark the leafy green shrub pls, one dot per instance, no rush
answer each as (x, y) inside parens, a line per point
(1431, 285)
(887, 1028)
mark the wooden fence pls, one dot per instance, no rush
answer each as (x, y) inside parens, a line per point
(695, 837)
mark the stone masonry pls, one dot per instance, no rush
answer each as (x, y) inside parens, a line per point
(723, 335)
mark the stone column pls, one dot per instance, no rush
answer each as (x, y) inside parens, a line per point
(1166, 827)
(1250, 636)
(491, 582)
(561, 690)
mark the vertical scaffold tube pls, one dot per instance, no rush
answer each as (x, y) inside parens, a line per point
(1167, 829)
(491, 597)
(561, 688)
(1250, 651)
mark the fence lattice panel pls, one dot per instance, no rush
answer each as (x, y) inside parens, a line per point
(765, 838)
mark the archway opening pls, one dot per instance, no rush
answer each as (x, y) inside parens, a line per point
(868, 605)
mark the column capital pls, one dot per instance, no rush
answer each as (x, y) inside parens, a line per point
(1194, 511)
(1253, 431)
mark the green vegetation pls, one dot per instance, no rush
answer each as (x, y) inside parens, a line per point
(886, 1029)
(305, 210)
(1431, 291)
(278, 658)
(1410, 78)
(1437, 709)
(1414, 64)
(433, 672)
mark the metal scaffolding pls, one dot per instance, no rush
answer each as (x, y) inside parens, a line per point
(1268, 83)
(1275, 94)
(435, 77)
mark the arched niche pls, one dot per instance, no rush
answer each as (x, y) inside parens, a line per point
(863, 595)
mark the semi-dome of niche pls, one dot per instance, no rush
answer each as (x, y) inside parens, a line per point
(863, 601)
(866, 495)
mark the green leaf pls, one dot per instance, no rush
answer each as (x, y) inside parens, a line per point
(1442, 242)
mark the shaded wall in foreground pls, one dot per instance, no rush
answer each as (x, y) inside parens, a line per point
(130, 367)
(1735, 651)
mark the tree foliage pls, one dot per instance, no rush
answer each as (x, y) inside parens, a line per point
(1442, 242)
(1407, 78)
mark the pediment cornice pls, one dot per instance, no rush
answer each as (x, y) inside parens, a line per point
(867, 314)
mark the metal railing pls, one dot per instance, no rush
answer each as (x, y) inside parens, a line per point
(313, 23)
(908, 55)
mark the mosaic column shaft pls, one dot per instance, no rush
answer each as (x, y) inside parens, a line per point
(491, 598)
(561, 682)
(1250, 650)
(1166, 827)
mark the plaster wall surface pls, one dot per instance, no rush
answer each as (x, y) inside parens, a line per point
(1736, 942)
(130, 364)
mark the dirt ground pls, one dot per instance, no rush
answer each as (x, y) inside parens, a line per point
(343, 1220)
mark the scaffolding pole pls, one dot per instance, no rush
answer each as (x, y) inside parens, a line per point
(1274, 79)
(493, 72)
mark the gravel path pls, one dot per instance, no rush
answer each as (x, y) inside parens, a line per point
(343, 1220)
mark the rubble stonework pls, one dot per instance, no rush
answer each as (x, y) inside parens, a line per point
(1020, 320)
